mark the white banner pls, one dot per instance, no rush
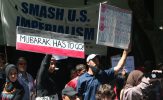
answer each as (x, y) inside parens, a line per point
(114, 26)
(49, 42)
(36, 14)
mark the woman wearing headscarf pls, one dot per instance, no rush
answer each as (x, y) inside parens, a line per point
(135, 85)
(12, 89)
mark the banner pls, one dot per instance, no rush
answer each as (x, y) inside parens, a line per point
(114, 26)
(49, 42)
(36, 14)
(129, 65)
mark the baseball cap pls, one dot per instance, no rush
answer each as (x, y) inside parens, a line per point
(91, 56)
(57, 57)
(69, 91)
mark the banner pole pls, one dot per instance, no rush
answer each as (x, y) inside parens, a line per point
(6, 53)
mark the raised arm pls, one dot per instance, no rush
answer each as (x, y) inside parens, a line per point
(43, 71)
(121, 61)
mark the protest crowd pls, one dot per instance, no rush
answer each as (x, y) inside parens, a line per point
(70, 65)
(88, 81)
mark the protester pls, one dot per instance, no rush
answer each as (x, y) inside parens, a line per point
(25, 79)
(89, 82)
(148, 66)
(2, 70)
(80, 69)
(46, 86)
(105, 92)
(12, 90)
(157, 81)
(69, 93)
(135, 87)
(73, 73)
(160, 67)
(119, 82)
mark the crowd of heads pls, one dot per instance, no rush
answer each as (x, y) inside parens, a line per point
(104, 91)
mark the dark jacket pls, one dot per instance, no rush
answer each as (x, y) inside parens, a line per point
(2, 79)
(45, 82)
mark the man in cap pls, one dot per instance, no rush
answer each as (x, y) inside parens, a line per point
(89, 82)
(69, 93)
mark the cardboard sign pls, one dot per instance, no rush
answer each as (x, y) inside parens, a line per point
(49, 42)
(114, 26)
(129, 65)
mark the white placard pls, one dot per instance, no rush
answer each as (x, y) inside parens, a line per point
(49, 42)
(114, 26)
(129, 65)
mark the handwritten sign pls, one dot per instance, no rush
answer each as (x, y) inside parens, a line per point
(114, 26)
(49, 42)
(129, 65)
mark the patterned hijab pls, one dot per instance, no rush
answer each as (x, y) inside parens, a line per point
(9, 88)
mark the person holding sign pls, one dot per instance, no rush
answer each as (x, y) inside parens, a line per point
(46, 87)
(90, 81)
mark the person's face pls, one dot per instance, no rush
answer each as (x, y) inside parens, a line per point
(70, 98)
(139, 81)
(13, 75)
(106, 98)
(1, 61)
(52, 66)
(94, 62)
(81, 72)
(65, 98)
(22, 65)
(123, 73)
(74, 74)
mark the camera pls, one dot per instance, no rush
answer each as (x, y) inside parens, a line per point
(154, 75)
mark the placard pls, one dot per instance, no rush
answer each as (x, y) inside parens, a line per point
(114, 26)
(34, 40)
(129, 65)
